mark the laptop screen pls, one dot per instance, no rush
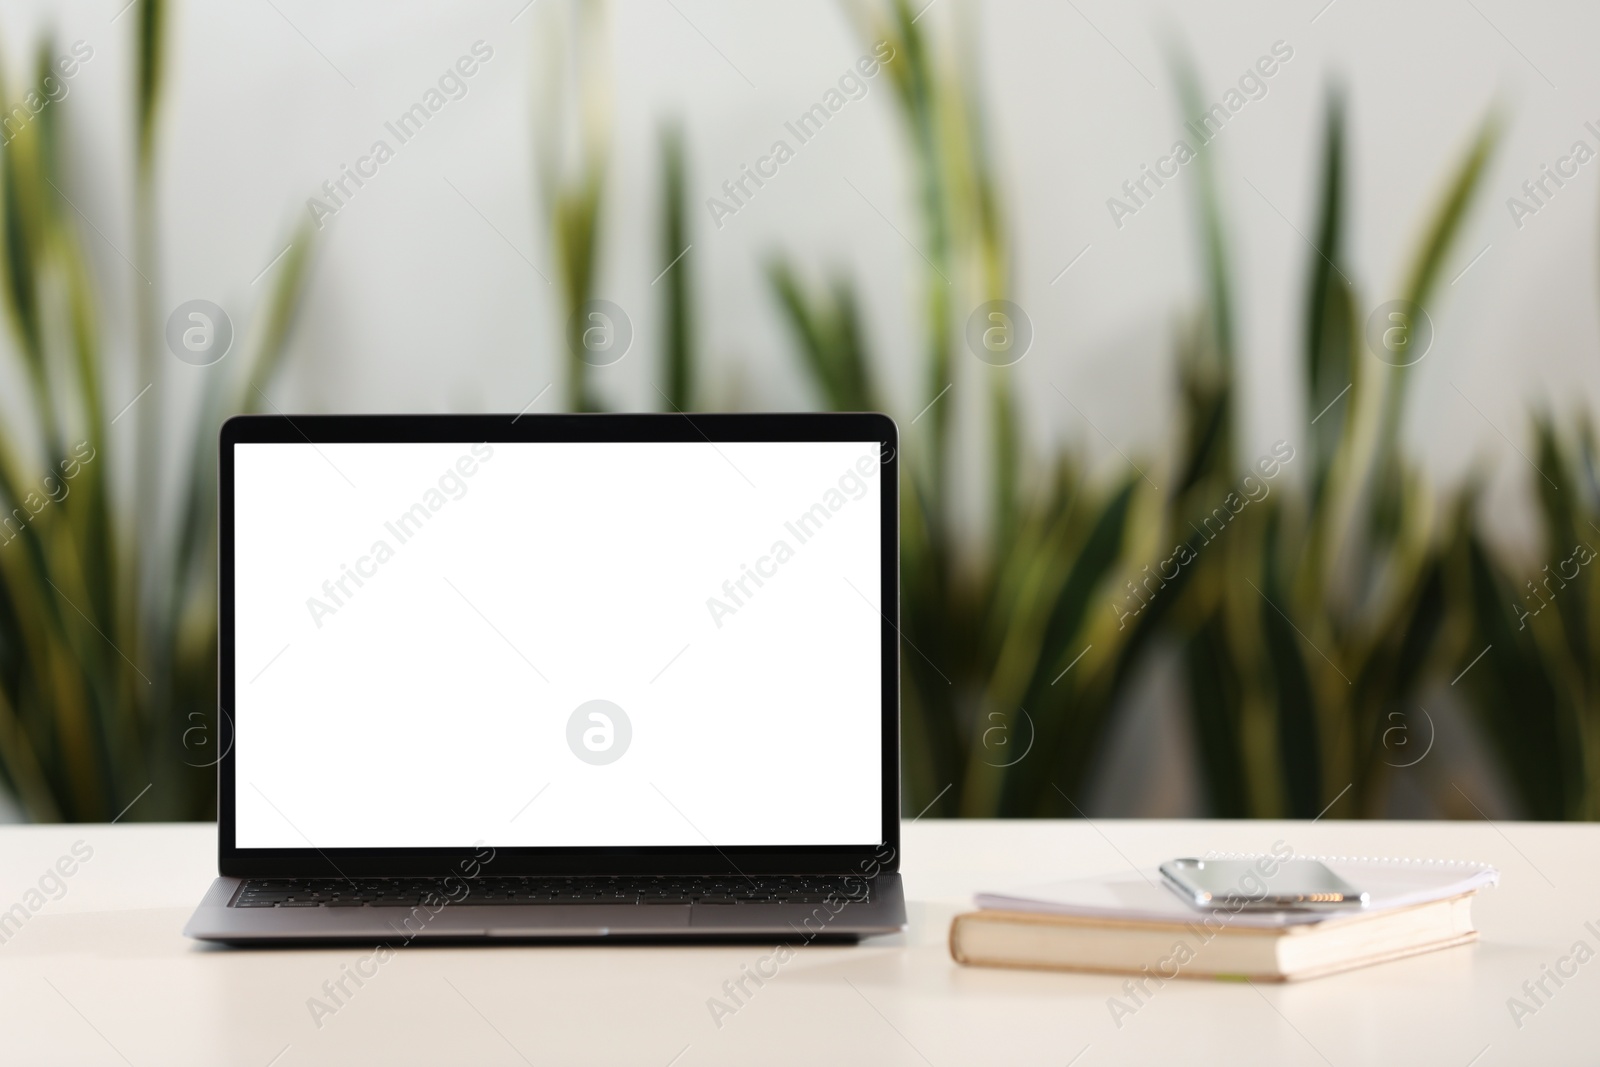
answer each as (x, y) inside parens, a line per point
(557, 644)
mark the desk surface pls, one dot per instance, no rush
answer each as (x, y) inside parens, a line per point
(101, 975)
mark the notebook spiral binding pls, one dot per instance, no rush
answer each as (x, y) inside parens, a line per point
(1398, 861)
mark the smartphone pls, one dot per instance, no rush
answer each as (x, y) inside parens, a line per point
(1285, 885)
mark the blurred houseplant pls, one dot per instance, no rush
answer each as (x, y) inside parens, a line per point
(1353, 558)
(1535, 628)
(571, 155)
(1313, 624)
(1319, 614)
(1013, 676)
(1366, 589)
(1307, 623)
(107, 609)
(1010, 677)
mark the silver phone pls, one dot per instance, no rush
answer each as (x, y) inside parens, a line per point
(1266, 884)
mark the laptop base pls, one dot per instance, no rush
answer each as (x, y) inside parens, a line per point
(444, 922)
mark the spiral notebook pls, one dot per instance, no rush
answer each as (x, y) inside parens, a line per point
(1145, 896)
(1131, 922)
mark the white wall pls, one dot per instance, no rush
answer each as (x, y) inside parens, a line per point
(420, 304)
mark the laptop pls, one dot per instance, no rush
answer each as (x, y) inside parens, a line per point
(557, 677)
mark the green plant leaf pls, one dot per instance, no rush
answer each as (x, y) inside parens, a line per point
(1438, 238)
(677, 300)
(150, 74)
(1299, 741)
(828, 334)
(1332, 388)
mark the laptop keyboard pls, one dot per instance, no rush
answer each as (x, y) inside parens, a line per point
(411, 892)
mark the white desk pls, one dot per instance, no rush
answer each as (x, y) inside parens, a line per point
(102, 975)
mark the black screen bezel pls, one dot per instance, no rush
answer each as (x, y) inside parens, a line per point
(420, 862)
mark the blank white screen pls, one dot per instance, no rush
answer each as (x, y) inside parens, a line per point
(429, 705)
